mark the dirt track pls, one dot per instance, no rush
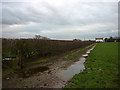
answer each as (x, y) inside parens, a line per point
(46, 79)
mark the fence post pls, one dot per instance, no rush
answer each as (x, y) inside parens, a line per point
(19, 60)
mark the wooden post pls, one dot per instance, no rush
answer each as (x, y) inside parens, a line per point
(19, 60)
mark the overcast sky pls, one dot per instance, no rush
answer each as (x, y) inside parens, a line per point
(61, 19)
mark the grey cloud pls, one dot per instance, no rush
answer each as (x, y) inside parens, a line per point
(49, 17)
(13, 14)
(76, 14)
(22, 15)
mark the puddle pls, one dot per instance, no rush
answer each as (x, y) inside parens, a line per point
(72, 70)
(9, 58)
(30, 72)
(75, 68)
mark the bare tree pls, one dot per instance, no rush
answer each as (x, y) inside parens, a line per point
(38, 36)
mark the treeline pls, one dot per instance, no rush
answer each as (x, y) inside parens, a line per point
(37, 48)
(112, 39)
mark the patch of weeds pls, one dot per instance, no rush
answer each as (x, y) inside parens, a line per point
(38, 79)
(70, 57)
(22, 83)
(9, 68)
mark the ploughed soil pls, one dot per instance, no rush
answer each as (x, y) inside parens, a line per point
(46, 78)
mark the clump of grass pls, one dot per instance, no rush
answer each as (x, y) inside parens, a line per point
(71, 57)
(9, 67)
(101, 69)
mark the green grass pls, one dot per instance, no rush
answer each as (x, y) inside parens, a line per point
(71, 57)
(101, 69)
(10, 68)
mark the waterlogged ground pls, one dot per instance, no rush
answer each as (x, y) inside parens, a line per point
(71, 70)
(53, 74)
(75, 68)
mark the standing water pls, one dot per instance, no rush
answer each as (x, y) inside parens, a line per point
(72, 70)
(75, 68)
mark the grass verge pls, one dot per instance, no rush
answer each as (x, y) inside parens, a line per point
(71, 57)
(101, 68)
